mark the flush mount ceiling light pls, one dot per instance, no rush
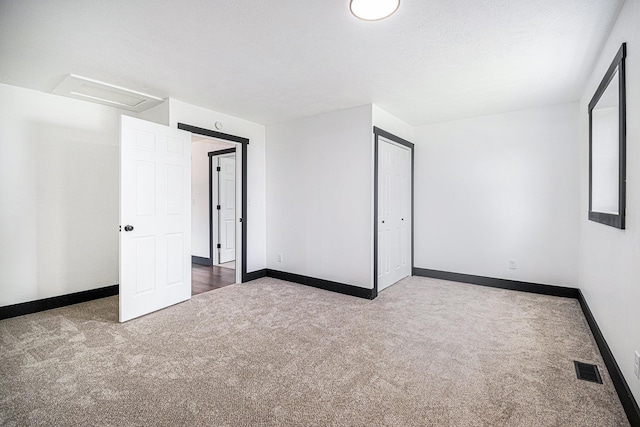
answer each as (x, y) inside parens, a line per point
(104, 93)
(373, 10)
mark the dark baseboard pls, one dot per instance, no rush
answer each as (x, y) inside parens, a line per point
(255, 275)
(342, 288)
(201, 261)
(56, 302)
(514, 285)
(622, 388)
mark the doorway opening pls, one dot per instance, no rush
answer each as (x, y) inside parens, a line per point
(213, 213)
(219, 204)
(393, 210)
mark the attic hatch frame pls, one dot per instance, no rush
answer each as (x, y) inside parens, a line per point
(86, 89)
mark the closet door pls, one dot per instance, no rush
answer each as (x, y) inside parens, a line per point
(394, 213)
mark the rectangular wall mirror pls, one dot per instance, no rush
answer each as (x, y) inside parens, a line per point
(607, 146)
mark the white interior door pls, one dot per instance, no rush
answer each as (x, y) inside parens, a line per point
(227, 202)
(394, 213)
(155, 217)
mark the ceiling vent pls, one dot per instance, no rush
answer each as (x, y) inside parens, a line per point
(103, 93)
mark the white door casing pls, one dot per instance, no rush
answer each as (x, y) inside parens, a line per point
(394, 213)
(227, 212)
(155, 199)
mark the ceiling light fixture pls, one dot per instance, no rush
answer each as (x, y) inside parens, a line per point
(373, 10)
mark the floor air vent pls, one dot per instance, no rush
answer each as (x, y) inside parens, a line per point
(587, 372)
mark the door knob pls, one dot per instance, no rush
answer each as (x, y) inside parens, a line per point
(128, 228)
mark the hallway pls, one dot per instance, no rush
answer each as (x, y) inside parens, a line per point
(207, 278)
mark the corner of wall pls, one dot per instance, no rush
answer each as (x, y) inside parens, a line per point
(158, 114)
(391, 123)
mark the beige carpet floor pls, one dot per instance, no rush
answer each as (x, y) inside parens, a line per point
(270, 353)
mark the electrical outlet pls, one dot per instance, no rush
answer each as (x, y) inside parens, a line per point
(636, 365)
(279, 257)
(513, 264)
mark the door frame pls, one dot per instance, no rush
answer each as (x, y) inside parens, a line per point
(377, 132)
(212, 212)
(243, 142)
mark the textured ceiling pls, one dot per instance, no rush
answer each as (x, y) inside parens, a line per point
(274, 60)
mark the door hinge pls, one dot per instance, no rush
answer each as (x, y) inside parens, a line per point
(218, 207)
(218, 169)
(219, 246)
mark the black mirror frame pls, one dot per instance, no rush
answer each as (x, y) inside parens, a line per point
(618, 220)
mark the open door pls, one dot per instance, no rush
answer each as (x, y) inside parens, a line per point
(155, 217)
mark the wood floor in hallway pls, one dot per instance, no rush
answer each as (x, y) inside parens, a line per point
(207, 278)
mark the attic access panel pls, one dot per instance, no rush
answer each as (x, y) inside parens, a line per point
(106, 94)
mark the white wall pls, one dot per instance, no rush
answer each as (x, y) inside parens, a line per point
(59, 198)
(181, 112)
(494, 188)
(610, 258)
(319, 181)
